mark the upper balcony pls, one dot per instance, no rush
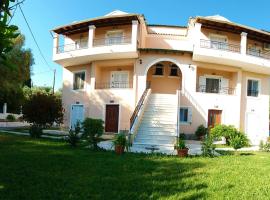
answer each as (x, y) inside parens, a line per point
(103, 41)
(232, 49)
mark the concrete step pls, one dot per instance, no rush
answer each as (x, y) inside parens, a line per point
(157, 133)
(151, 144)
(155, 137)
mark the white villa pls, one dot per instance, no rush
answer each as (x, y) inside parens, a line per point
(157, 81)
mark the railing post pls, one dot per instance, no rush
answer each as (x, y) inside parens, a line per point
(197, 34)
(55, 43)
(91, 35)
(243, 43)
(134, 33)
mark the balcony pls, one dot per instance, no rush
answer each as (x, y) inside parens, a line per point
(96, 45)
(232, 55)
(216, 90)
(114, 85)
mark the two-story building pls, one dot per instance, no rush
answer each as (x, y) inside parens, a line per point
(157, 81)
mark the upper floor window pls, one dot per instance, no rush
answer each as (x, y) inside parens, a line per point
(79, 78)
(174, 70)
(114, 37)
(159, 70)
(218, 41)
(212, 85)
(252, 88)
(119, 79)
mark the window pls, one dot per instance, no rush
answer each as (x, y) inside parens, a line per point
(120, 79)
(79, 78)
(174, 70)
(159, 70)
(185, 115)
(253, 88)
(212, 85)
(114, 37)
(218, 41)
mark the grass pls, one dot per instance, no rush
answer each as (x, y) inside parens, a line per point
(48, 169)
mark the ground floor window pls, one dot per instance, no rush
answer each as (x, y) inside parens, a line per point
(79, 78)
(185, 115)
(253, 88)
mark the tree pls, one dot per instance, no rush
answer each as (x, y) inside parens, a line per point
(16, 76)
(42, 110)
(7, 32)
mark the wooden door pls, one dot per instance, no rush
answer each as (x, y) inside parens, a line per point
(214, 118)
(112, 118)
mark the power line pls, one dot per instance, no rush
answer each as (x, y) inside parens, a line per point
(45, 61)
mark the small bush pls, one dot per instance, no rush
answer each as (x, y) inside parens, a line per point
(201, 131)
(11, 118)
(208, 147)
(265, 146)
(238, 140)
(92, 130)
(73, 136)
(35, 131)
(223, 131)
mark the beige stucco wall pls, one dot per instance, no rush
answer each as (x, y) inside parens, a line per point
(166, 83)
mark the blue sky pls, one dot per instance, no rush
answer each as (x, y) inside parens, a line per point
(45, 15)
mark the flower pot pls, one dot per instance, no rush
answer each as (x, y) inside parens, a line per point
(119, 149)
(182, 152)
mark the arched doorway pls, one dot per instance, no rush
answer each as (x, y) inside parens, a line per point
(164, 77)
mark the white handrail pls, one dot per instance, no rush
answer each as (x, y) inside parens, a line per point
(178, 92)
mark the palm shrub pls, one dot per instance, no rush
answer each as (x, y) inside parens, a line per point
(73, 135)
(208, 147)
(92, 131)
(121, 140)
(201, 131)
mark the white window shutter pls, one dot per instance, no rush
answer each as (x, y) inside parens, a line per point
(202, 84)
(189, 115)
(224, 85)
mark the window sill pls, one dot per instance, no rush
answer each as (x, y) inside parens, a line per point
(185, 123)
(177, 77)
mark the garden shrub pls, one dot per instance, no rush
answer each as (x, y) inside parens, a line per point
(234, 138)
(182, 136)
(201, 131)
(73, 135)
(238, 140)
(92, 130)
(11, 118)
(265, 146)
(35, 131)
(208, 147)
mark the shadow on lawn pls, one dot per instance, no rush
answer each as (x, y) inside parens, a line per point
(79, 173)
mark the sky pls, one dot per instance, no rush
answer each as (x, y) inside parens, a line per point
(44, 15)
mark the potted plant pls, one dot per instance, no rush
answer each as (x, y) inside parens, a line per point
(120, 143)
(182, 150)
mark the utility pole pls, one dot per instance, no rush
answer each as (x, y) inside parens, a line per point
(54, 72)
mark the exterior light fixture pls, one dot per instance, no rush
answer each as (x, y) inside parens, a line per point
(140, 61)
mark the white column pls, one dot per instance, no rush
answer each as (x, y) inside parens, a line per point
(91, 35)
(93, 76)
(238, 93)
(134, 34)
(5, 108)
(55, 43)
(197, 34)
(243, 43)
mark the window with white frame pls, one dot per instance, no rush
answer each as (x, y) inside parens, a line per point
(119, 79)
(78, 80)
(159, 70)
(114, 37)
(185, 115)
(213, 84)
(253, 88)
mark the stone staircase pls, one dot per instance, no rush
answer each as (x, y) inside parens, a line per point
(158, 125)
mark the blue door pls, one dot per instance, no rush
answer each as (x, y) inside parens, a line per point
(77, 114)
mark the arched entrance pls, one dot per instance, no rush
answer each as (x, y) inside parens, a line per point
(164, 77)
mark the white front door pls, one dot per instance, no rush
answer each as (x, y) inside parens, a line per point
(76, 115)
(253, 128)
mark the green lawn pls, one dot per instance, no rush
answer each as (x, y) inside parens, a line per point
(46, 169)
